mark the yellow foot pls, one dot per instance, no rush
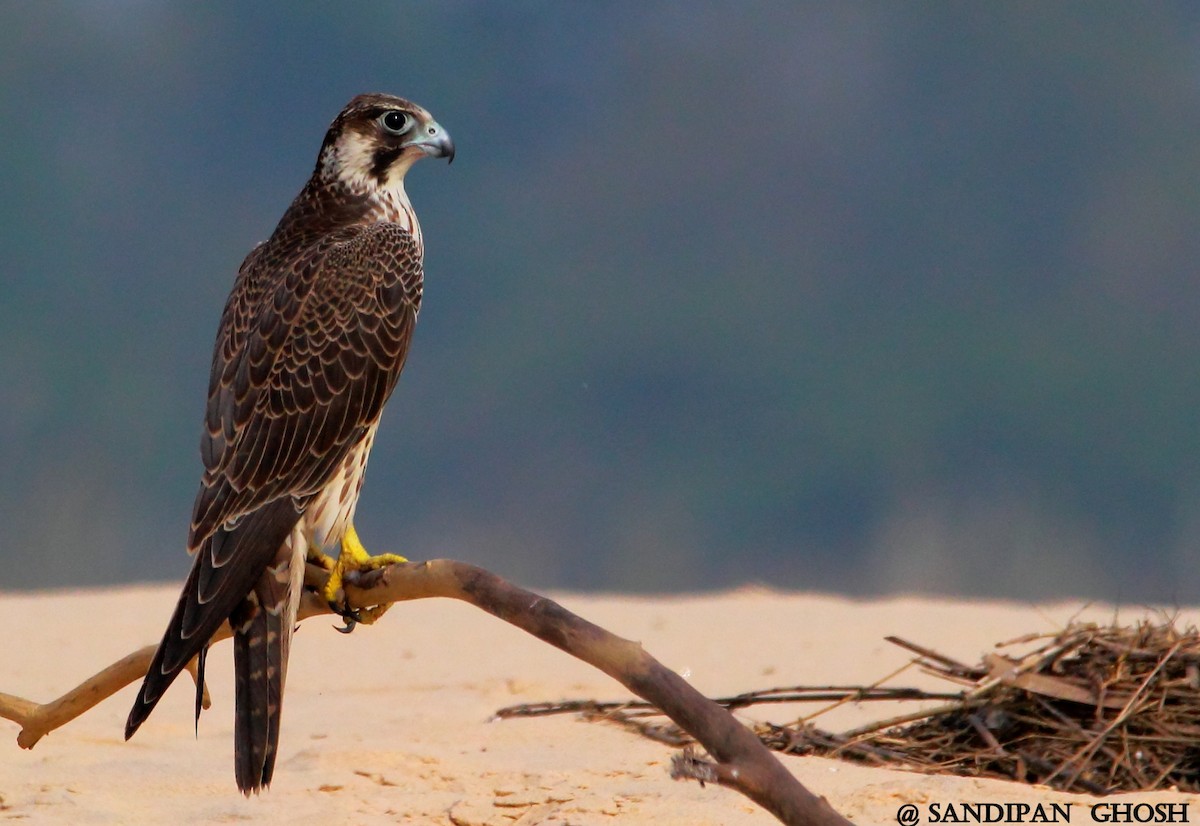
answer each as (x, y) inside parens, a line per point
(354, 557)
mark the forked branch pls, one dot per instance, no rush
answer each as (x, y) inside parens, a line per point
(742, 761)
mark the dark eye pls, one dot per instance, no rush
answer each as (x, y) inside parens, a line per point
(395, 122)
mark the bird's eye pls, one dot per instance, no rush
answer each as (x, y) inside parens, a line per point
(395, 122)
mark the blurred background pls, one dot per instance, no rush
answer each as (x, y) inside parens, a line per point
(862, 297)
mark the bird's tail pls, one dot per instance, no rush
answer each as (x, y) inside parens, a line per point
(228, 568)
(262, 633)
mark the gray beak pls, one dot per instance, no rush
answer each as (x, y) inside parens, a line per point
(435, 142)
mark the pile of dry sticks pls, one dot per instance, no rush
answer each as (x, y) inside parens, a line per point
(1092, 708)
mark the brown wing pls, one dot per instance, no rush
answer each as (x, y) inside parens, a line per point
(304, 361)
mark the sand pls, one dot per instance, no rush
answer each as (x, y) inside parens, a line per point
(392, 723)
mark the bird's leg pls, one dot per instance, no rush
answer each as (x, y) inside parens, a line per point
(354, 557)
(316, 557)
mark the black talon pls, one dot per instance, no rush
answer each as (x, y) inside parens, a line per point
(350, 616)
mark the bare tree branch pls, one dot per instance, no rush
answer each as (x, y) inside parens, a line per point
(742, 762)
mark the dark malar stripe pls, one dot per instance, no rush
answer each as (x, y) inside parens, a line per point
(383, 161)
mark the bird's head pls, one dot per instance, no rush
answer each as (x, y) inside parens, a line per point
(373, 142)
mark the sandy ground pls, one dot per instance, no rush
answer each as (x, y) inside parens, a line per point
(391, 724)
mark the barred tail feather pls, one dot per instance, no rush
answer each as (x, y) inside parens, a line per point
(262, 632)
(227, 567)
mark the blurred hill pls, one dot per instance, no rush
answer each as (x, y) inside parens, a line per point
(863, 297)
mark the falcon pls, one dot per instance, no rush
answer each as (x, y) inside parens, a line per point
(311, 342)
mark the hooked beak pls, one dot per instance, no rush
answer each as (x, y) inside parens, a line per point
(435, 142)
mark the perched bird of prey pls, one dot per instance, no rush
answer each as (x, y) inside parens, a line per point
(311, 342)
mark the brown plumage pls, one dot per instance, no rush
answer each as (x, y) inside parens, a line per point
(312, 340)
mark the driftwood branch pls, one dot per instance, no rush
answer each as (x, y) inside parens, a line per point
(742, 762)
